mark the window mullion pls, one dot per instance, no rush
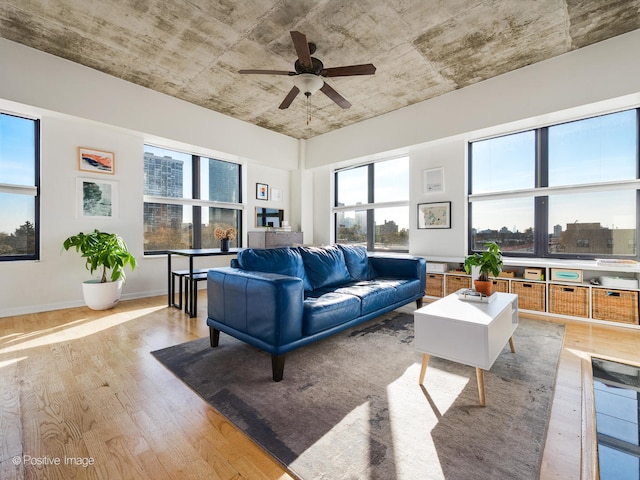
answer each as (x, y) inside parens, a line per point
(541, 203)
(542, 157)
(196, 233)
(370, 212)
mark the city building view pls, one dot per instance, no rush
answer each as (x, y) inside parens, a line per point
(589, 239)
(171, 225)
(388, 235)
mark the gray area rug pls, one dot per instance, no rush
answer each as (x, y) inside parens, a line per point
(350, 406)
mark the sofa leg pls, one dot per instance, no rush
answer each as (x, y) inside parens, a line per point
(214, 336)
(277, 367)
(419, 303)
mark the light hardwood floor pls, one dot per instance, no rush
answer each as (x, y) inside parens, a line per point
(78, 384)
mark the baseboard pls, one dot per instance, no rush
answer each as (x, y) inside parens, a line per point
(46, 307)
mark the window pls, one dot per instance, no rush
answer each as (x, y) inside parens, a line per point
(565, 191)
(372, 205)
(186, 198)
(19, 188)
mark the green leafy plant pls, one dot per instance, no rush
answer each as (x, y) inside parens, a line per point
(103, 250)
(488, 262)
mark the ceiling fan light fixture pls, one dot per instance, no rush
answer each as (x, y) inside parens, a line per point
(308, 83)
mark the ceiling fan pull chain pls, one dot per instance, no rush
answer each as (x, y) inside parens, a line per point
(308, 109)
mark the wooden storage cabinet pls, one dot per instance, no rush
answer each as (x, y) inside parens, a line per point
(531, 295)
(615, 305)
(273, 239)
(435, 285)
(569, 300)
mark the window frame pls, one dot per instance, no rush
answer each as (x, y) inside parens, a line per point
(370, 207)
(541, 192)
(28, 190)
(195, 202)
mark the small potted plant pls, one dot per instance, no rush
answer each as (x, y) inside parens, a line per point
(105, 251)
(225, 235)
(487, 262)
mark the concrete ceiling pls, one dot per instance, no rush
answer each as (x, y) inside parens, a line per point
(193, 49)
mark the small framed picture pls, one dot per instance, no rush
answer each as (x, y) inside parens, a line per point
(262, 191)
(434, 215)
(276, 195)
(97, 198)
(96, 161)
(434, 180)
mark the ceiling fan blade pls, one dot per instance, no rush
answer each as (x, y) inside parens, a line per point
(335, 96)
(267, 72)
(302, 49)
(365, 69)
(293, 93)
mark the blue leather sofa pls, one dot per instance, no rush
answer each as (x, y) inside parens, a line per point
(284, 298)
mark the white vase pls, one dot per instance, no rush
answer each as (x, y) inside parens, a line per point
(101, 296)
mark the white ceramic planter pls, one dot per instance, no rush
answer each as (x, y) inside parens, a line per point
(101, 296)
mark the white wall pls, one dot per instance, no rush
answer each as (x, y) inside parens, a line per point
(598, 79)
(275, 178)
(439, 242)
(78, 106)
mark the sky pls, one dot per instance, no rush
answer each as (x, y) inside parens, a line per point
(599, 149)
(17, 154)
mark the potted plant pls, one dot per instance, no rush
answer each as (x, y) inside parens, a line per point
(487, 262)
(225, 235)
(106, 251)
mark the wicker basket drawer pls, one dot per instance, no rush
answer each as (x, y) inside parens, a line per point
(530, 295)
(501, 285)
(435, 284)
(569, 300)
(455, 283)
(615, 305)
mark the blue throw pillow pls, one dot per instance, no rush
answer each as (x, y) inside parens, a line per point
(284, 261)
(325, 266)
(357, 261)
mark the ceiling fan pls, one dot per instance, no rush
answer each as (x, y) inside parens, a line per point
(308, 73)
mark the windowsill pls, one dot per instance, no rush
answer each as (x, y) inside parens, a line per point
(562, 263)
(545, 262)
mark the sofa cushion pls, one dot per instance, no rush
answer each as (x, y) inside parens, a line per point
(326, 310)
(405, 287)
(357, 261)
(285, 261)
(373, 295)
(324, 266)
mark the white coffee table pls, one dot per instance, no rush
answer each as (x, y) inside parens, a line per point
(466, 332)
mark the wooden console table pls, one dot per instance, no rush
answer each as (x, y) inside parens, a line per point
(273, 239)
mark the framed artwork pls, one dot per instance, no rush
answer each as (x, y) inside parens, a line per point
(96, 161)
(434, 215)
(276, 195)
(262, 191)
(97, 198)
(434, 180)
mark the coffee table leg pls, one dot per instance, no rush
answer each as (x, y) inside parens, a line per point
(423, 370)
(512, 345)
(480, 377)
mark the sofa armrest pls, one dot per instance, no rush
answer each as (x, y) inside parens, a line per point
(400, 267)
(264, 306)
